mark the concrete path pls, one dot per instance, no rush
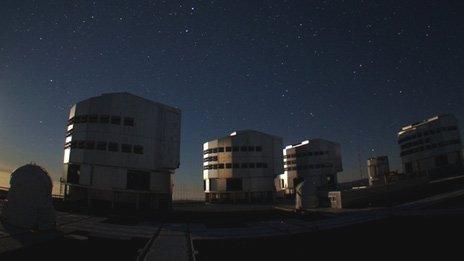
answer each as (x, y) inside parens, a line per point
(172, 243)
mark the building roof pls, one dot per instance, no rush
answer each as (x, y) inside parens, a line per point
(415, 125)
(131, 96)
(308, 141)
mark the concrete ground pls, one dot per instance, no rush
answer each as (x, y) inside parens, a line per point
(236, 232)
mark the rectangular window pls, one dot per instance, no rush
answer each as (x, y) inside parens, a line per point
(81, 144)
(138, 180)
(105, 119)
(90, 144)
(126, 148)
(244, 166)
(251, 148)
(213, 185)
(113, 146)
(228, 149)
(243, 148)
(251, 165)
(236, 166)
(128, 121)
(221, 149)
(138, 149)
(215, 150)
(74, 173)
(234, 184)
(93, 118)
(265, 165)
(116, 120)
(259, 148)
(235, 148)
(220, 165)
(215, 166)
(259, 165)
(101, 145)
(228, 165)
(84, 119)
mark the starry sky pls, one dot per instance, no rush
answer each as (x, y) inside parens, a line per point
(349, 71)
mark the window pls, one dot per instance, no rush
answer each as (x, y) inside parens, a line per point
(243, 148)
(73, 144)
(81, 144)
(101, 145)
(228, 165)
(105, 119)
(90, 144)
(236, 166)
(128, 121)
(116, 120)
(228, 149)
(213, 185)
(220, 165)
(259, 165)
(138, 149)
(251, 165)
(265, 165)
(259, 148)
(221, 149)
(93, 118)
(74, 172)
(251, 148)
(282, 183)
(234, 184)
(138, 180)
(235, 148)
(126, 148)
(113, 146)
(244, 166)
(215, 150)
(83, 119)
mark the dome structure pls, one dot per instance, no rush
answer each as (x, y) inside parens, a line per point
(29, 202)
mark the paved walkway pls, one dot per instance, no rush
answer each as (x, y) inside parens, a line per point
(172, 243)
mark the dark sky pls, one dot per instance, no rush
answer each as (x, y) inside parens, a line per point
(349, 71)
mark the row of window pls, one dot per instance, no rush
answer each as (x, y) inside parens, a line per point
(232, 184)
(427, 132)
(103, 146)
(211, 158)
(233, 149)
(304, 154)
(430, 146)
(93, 118)
(415, 143)
(243, 165)
(311, 166)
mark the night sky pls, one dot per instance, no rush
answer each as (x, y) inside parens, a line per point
(349, 71)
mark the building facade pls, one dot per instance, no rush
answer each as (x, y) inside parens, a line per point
(122, 149)
(432, 148)
(241, 166)
(317, 161)
(378, 169)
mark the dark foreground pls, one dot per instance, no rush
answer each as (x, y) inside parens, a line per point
(392, 238)
(79, 248)
(435, 234)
